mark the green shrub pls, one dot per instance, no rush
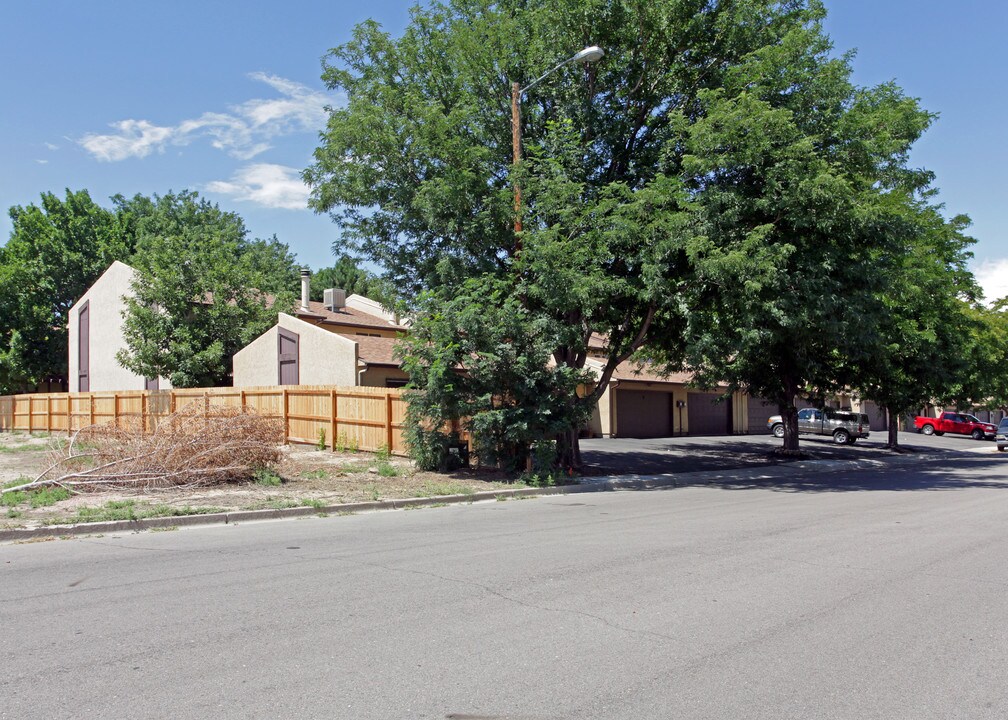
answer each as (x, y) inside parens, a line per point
(265, 476)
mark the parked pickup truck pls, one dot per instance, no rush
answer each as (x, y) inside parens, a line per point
(845, 426)
(953, 422)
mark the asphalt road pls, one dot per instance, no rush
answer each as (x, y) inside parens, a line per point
(840, 595)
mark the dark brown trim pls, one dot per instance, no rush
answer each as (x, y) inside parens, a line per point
(84, 347)
(287, 359)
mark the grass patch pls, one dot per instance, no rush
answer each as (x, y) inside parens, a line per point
(387, 469)
(434, 489)
(11, 449)
(266, 477)
(287, 504)
(41, 497)
(131, 510)
(319, 474)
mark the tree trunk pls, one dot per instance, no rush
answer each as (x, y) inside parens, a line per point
(789, 415)
(892, 423)
(568, 451)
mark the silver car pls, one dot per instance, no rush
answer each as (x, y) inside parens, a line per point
(843, 425)
(1002, 435)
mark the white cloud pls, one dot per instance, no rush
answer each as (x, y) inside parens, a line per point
(42, 162)
(136, 138)
(273, 186)
(50, 146)
(243, 132)
(993, 278)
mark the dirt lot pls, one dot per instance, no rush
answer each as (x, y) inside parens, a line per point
(307, 477)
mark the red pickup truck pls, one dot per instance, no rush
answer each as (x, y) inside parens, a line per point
(953, 422)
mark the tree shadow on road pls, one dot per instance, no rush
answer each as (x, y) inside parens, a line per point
(946, 473)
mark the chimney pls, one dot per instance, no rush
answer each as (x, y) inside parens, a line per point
(334, 298)
(305, 286)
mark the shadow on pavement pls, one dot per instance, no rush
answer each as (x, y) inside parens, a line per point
(941, 469)
(946, 474)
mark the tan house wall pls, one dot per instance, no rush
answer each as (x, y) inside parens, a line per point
(376, 376)
(740, 413)
(355, 329)
(256, 363)
(323, 357)
(371, 307)
(105, 307)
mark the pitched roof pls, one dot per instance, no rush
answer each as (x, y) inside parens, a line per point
(374, 350)
(345, 316)
(634, 371)
(646, 372)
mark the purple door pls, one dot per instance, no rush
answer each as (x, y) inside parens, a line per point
(287, 356)
(83, 346)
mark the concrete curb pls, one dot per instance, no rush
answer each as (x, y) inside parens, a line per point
(588, 485)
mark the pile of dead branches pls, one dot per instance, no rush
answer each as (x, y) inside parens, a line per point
(195, 446)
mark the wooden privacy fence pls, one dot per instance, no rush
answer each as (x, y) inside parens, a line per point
(349, 417)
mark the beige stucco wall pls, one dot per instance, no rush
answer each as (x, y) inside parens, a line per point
(376, 376)
(323, 358)
(105, 305)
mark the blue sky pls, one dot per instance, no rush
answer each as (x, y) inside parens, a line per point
(225, 99)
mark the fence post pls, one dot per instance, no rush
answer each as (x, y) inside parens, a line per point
(332, 420)
(388, 419)
(286, 410)
(49, 414)
(241, 395)
(91, 408)
(31, 414)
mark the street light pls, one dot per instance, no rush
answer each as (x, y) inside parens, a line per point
(589, 54)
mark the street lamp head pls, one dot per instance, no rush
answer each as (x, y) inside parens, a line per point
(589, 54)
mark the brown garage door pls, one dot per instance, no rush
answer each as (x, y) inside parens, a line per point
(759, 410)
(643, 413)
(707, 416)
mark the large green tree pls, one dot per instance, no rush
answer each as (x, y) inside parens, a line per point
(202, 291)
(917, 349)
(416, 167)
(792, 168)
(56, 250)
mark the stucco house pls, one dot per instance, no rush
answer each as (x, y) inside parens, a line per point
(344, 340)
(96, 335)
